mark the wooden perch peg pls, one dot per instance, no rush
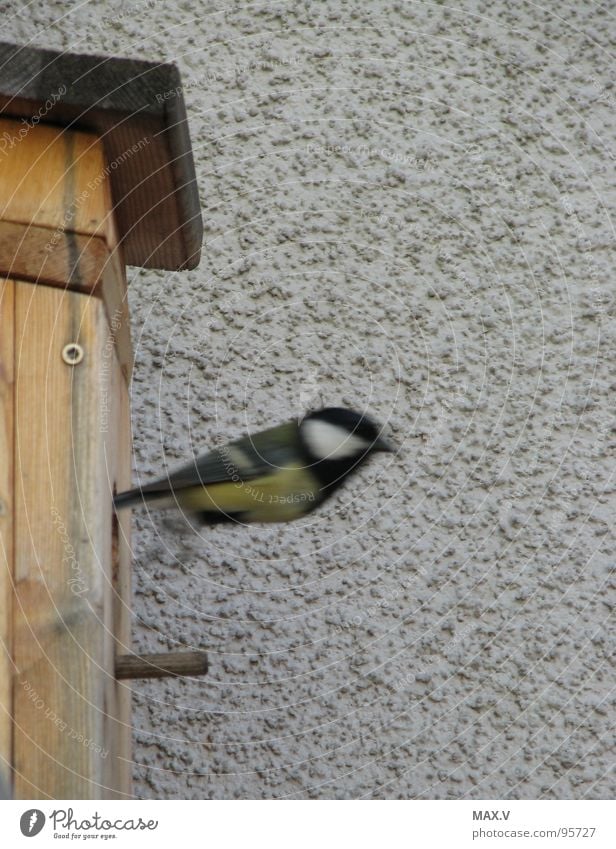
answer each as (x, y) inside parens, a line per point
(164, 665)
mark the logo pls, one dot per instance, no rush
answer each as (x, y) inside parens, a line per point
(32, 822)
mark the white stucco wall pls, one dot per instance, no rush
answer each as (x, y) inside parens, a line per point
(407, 208)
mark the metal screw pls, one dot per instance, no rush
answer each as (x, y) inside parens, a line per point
(72, 354)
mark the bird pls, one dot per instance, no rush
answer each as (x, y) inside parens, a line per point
(277, 475)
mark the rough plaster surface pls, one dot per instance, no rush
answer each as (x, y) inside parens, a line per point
(407, 207)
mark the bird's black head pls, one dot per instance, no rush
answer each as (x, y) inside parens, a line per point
(338, 440)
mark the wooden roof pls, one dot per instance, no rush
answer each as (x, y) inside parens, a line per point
(137, 108)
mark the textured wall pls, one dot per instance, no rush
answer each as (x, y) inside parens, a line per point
(407, 208)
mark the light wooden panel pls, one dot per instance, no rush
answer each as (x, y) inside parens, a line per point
(87, 264)
(64, 432)
(71, 718)
(6, 521)
(53, 178)
(59, 562)
(57, 224)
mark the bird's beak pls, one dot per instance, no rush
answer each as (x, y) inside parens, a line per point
(382, 444)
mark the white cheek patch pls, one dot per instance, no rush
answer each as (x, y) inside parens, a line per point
(328, 441)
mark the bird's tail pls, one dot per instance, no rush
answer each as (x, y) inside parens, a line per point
(128, 498)
(158, 493)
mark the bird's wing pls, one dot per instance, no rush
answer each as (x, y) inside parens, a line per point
(244, 459)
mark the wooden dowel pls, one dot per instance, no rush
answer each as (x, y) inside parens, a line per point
(174, 663)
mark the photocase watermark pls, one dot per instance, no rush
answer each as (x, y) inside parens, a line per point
(477, 155)
(9, 140)
(252, 288)
(441, 437)
(93, 184)
(369, 612)
(129, 11)
(583, 241)
(604, 94)
(445, 257)
(40, 704)
(228, 74)
(584, 469)
(77, 582)
(105, 367)
(64, 818)
(365, 152)
(423, 676)
(95, 826)
(257, 493)
(384, 219)
(31, 822)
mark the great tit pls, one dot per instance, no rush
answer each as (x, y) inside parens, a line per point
(276, 475)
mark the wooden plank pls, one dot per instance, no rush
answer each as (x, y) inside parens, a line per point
(63, 641)
(70, 432)
(53, 178)
(42, 255)
(137, 108)
(83, 263)
(113, 290)
(7, 294)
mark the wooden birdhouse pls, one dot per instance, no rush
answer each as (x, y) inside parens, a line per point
(96, 172)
